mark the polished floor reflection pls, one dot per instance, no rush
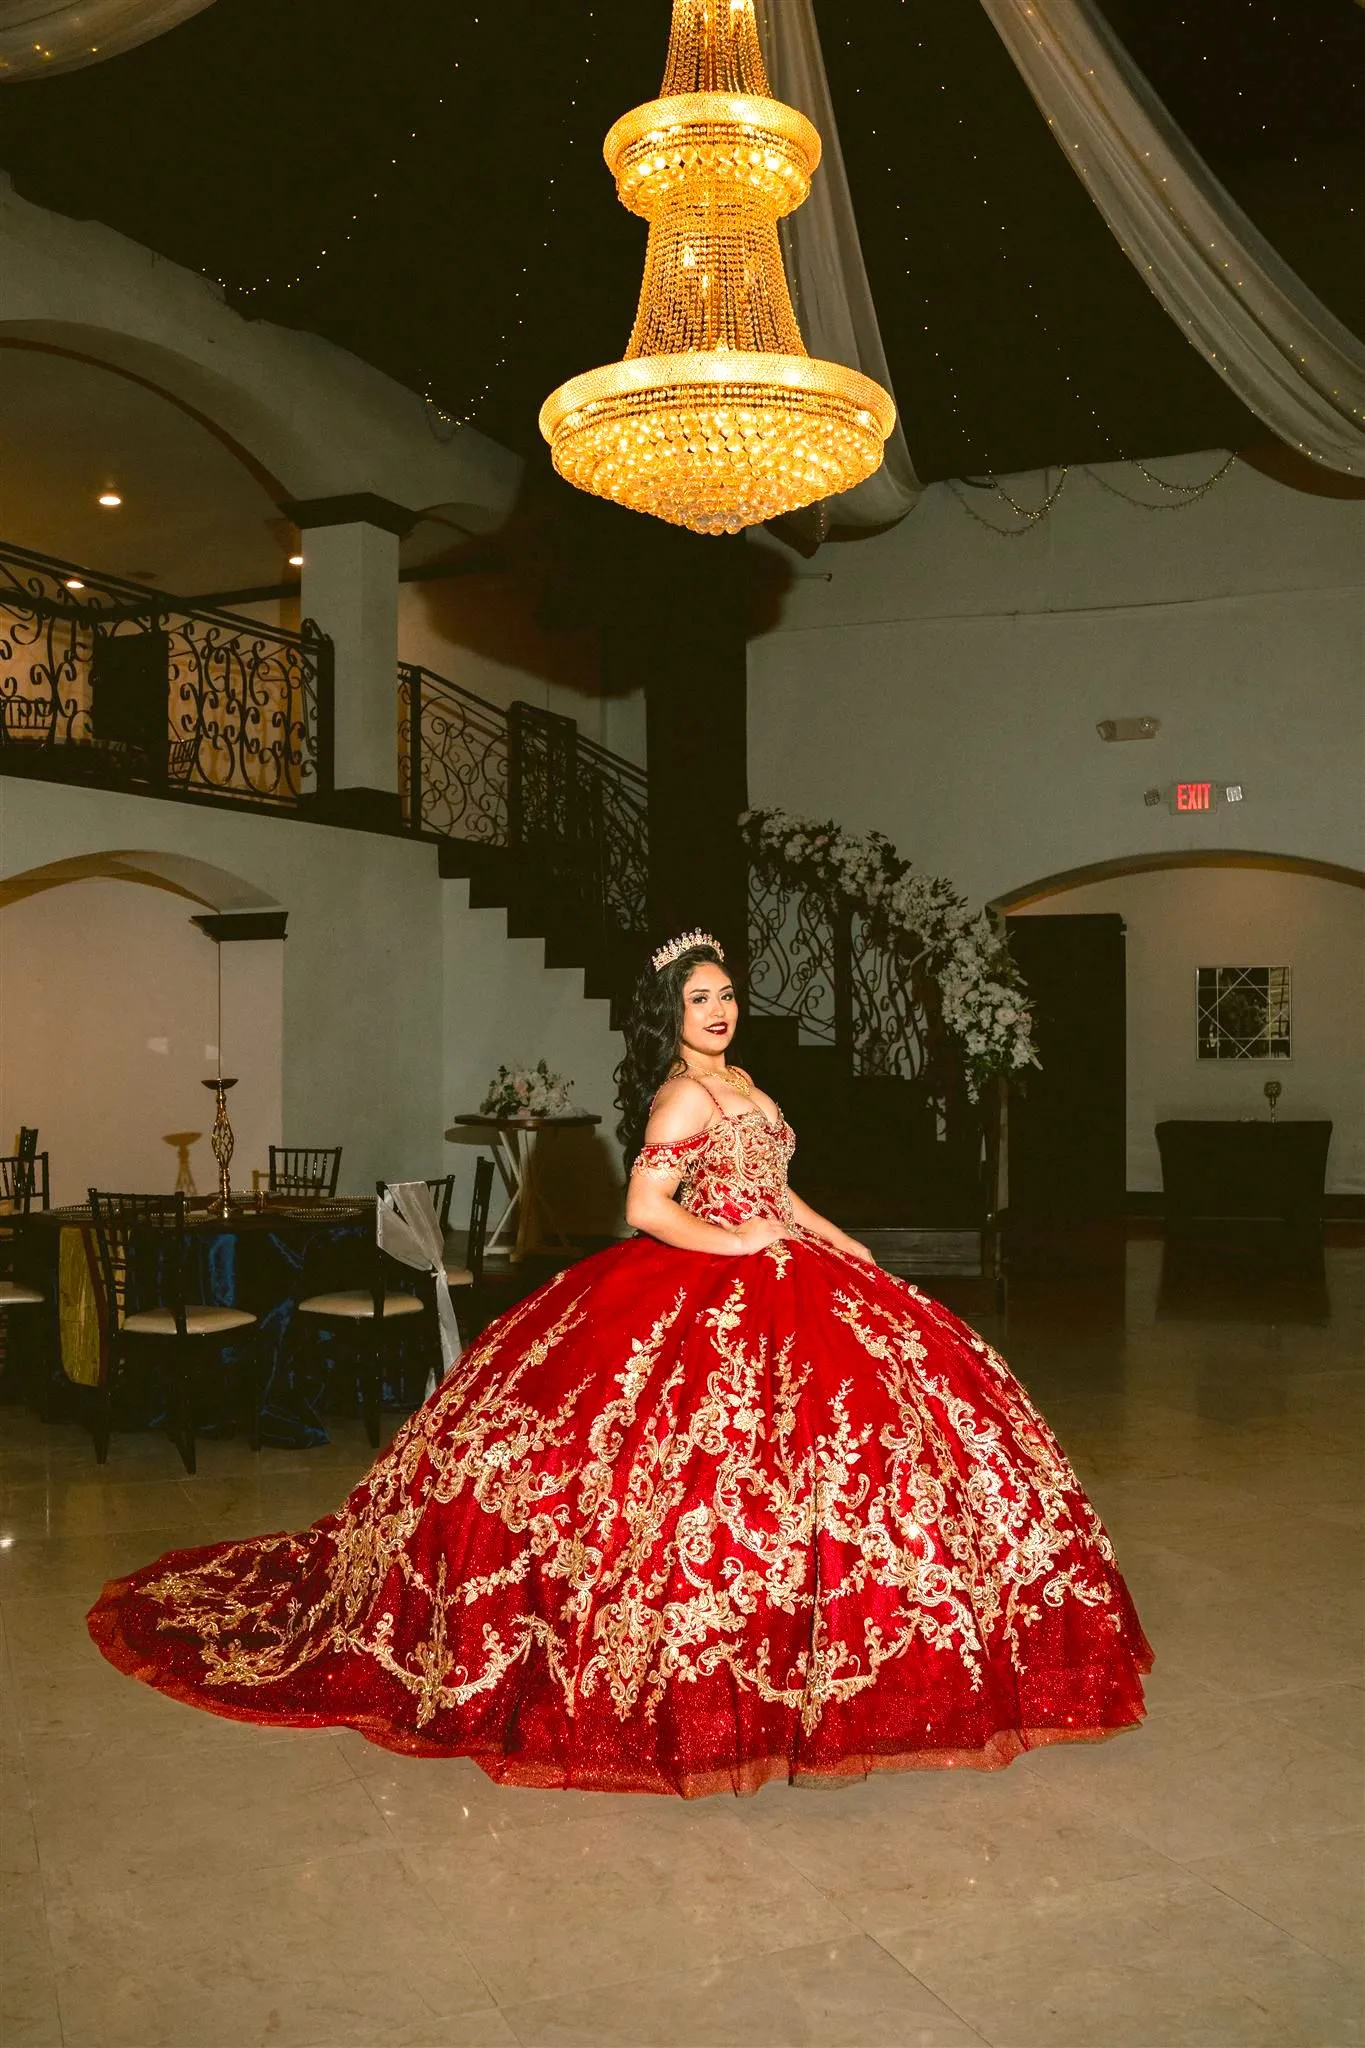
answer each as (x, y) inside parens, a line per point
(170, 1879)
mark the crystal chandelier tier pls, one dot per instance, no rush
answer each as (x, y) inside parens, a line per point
(717, 418)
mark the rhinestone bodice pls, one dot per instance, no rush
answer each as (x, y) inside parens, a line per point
(733, 1170)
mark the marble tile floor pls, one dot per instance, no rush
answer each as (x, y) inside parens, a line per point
(169, 1880)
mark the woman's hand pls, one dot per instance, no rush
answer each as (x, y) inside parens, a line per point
(756, 1235)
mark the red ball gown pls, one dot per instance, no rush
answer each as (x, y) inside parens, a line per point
(682, 1523)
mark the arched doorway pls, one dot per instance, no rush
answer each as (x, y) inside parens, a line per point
(1180, 912)
(111, 1018)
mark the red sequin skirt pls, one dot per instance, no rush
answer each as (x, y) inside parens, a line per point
(680, 1523)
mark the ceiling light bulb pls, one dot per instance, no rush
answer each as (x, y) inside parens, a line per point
(111, 499)
(296, 561)
(74, 583)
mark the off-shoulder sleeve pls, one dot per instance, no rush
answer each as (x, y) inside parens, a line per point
(668, 1162)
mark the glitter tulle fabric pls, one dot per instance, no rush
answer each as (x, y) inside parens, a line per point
(681, 1523)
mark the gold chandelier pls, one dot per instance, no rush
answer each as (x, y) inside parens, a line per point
(717, 418)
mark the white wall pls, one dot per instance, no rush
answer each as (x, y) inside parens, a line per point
(480, 631)
(504, 1007)
(320, 420)
(362, 960)
(1182, 919)
(108, 1024)
(944, 684)
(398, 1001)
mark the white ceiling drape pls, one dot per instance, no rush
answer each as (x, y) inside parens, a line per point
(40, 36)
(825, 257)
(1285, 354)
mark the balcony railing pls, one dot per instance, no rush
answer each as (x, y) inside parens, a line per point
(461, 746)
(109, 682)
(571, 816)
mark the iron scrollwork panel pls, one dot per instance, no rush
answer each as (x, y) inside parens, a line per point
(462, 752)
(219, 704)
(815, 960)
(791, 954)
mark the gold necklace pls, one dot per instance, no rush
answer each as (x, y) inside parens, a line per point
(731, 1076)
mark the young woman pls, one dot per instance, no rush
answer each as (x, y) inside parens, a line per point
(723, 1503)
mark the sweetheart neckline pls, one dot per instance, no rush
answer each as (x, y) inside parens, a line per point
(725, 1117)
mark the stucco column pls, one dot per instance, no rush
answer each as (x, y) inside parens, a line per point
(350, 587)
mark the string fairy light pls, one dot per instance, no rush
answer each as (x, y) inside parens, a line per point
(1004, 255)
(343, 233)
(1178, 497)
(443, 422)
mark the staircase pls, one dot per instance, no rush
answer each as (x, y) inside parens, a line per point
(853, 1046)
(544, 824)
(869, 1150)
(553, 830)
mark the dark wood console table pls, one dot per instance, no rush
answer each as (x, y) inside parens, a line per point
(1221, 1168)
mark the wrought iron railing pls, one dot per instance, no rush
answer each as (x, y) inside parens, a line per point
(571, 815)
(812, 958)
(578, 814)
(113, 682)
(460, 746)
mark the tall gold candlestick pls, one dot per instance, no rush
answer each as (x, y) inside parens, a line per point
(222, 1142)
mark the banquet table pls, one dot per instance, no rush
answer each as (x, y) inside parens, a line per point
(265, 1260)
(512, 1141)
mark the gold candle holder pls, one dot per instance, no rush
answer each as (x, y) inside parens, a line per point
(221, 1139)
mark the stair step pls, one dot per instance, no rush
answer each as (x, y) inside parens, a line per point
(914, 1253)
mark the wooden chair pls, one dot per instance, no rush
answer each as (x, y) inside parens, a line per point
(23, 1187)
(442, 1192)
(367, 1312)
(310, 1171)
(466, 1282)
(126, 1226)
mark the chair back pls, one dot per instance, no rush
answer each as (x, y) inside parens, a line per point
(120, 1221)
(478, 1219)
(14, 1187)
(23, 1176)
(308, 1170)
(442, 1192)
(386, 1273)
(37, 1181)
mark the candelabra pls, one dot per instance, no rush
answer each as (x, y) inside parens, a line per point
(222, 1142)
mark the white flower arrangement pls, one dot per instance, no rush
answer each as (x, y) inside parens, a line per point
(528, 1092)
(923, 920)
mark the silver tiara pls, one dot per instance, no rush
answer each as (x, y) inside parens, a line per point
(675, 949)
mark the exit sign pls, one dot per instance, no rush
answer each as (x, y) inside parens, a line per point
(1190, 797)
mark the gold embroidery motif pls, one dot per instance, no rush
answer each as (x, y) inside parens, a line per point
(667, 1501)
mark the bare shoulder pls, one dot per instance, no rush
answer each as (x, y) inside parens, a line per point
(680, 1110)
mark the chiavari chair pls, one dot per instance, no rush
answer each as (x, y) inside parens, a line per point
(142, 1238)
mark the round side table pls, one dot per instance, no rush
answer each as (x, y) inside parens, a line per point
(526, 1225)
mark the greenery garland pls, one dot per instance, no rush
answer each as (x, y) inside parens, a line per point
(921, 920)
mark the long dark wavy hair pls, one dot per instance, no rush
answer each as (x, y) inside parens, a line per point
(653, 1033)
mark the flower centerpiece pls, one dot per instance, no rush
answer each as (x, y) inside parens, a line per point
(921, 921)
(527, 1092)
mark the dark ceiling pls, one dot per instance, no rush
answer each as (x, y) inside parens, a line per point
(446, 156)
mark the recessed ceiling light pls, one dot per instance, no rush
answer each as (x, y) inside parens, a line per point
(74, 583)
(112, 499)
(296, 561)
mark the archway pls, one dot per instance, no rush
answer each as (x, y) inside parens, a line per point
(115, 1015)
(1147, 863)
(1230, 908)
